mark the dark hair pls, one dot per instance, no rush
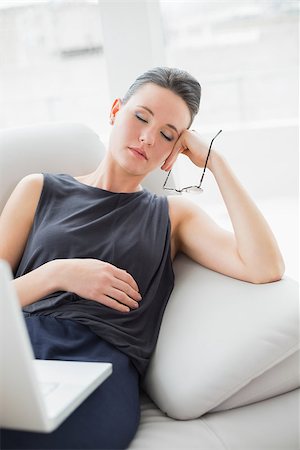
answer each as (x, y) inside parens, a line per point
(177, 80)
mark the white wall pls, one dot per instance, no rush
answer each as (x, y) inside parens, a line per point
(133, 41)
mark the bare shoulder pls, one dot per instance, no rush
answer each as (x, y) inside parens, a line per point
(181, 210)
(194, 230)
(30, 187)
(181, 207)
(32, 181)
(17, 217)
(26, 194)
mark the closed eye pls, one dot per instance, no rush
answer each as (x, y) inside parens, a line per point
(143, 120)
(167, 137)
(139, 117)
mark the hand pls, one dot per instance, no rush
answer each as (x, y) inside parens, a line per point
(189, 144)
(100, 281)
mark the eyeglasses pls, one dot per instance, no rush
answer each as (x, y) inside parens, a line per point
(198, 188)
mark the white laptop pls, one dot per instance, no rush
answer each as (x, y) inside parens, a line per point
(37, 395)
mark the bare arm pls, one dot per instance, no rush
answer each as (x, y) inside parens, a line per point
(37, 284)
(89, 278)
(16, 222)
(251, 253)
(255, 241)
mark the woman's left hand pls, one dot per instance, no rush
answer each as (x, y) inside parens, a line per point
(189, 144)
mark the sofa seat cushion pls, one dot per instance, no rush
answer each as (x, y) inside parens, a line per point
(270, 424)
(218, 335)
(158, 431)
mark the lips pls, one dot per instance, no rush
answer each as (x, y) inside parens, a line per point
(140, 151)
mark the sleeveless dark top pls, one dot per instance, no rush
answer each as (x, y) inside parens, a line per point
(129, 230)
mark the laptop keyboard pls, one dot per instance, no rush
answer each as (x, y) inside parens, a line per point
(47, 388)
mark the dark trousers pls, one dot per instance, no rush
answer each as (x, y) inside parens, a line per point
(109, 417)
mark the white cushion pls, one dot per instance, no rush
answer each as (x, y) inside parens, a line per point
(218, 335)
(52, 147)
(281, 378)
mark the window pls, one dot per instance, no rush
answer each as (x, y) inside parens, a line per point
(52, 63)
(245, 55)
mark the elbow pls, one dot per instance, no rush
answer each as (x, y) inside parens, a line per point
(266, 279)
(275, 273)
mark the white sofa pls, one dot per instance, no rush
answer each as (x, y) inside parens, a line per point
(225, 372)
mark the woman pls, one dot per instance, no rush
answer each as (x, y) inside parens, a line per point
(92, 255)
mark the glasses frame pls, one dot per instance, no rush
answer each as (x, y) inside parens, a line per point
(192, 188)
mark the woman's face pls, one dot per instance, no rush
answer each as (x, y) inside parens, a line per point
(146, 128)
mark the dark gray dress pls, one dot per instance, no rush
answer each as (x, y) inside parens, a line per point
(129, 230)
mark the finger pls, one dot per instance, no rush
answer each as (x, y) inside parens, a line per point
(174, 151)
(170, 161)
(126, 277)
(123, 298)
(112, 303)
(125, 287)
(178, 148)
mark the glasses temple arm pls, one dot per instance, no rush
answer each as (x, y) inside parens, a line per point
(208, 157)
(167, 178)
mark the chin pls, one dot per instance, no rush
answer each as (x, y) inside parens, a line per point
(130, 168)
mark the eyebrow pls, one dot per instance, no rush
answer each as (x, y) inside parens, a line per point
(151, 112)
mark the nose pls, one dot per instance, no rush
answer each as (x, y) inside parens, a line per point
(147, 137)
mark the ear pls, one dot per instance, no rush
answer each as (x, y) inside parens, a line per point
(116, 106)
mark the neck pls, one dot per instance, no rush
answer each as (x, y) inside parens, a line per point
(112, 177)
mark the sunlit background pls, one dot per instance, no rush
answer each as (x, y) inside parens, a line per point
(65, 60)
